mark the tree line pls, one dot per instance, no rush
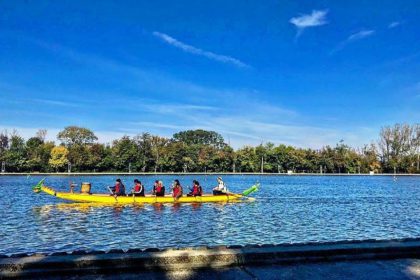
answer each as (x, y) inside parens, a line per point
(397, 150)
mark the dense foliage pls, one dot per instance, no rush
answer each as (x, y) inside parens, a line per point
(205, 151)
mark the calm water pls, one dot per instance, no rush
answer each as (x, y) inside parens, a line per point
(288, 209)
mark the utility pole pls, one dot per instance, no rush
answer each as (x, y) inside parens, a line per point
(69, 167)
(262, 164)
(320, 169)
(129, 167)
(3, 167)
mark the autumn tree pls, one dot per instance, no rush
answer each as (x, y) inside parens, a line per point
(59, 157)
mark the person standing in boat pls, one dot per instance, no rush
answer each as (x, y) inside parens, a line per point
(138, 189)
(221, 187)
(158, 188)
(176, 189)
(118, 189)
(196, 189)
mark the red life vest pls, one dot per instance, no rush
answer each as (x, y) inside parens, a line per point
(137, 187)
(158, 188)
(196, 190)
(117, 188)
(176, 191)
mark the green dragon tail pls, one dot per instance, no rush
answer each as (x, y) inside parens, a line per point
(252, 189)
(37, 187)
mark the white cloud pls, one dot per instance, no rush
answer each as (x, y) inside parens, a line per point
(193, 50)
(360, 35)
(394, 24)
(55, 102)
(316, 18)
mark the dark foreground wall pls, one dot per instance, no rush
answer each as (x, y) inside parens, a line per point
(202, 258)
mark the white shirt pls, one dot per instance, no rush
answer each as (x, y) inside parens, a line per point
(221, 187)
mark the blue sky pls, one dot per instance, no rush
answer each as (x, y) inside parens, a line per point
(305, 73)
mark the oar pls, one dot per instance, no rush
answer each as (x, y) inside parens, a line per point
(109, 188)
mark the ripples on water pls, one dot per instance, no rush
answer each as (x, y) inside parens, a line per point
(288, 209)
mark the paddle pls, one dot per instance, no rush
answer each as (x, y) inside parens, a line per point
(112, 193)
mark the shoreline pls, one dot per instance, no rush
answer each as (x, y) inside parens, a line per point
(196, 258)
(197, 173)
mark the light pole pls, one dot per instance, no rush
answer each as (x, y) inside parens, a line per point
(69, 167)
(3, 167)
(262, 164)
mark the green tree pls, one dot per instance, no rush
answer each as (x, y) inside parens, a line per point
(33, 145)
(74, 135)
(157, 145)
(200, 137)
(247, 160)
(15, 157)
(124, 153)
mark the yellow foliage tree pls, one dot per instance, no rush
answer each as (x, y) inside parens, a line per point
(58, 157)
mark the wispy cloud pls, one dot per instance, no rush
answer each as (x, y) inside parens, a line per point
(56, 102)
(197, 51)
(316, 18)
(394, 24)
(362, 34)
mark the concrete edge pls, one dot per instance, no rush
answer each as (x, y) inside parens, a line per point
(204, 258)
(198, 173)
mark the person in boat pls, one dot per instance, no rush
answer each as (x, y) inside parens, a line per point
(221, 187)
(138, 189)
(118, 189)
(158, 188)
(196, 190)
(176, 189)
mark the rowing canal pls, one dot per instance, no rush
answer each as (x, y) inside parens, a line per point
(288, 209)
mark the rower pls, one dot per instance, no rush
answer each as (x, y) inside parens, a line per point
(118, 189)
(176, 189)
(138, 189)
(196, 189)
(158, 189)
(221, 187)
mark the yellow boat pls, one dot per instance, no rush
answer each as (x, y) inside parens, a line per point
(110, 199)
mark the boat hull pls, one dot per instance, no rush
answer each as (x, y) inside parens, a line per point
(109, 199)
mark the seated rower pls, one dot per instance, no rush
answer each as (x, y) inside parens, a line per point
(221, 187)
(138, 189)
(196, 189)
(118, 189)
(176, 189)
(158, 189)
